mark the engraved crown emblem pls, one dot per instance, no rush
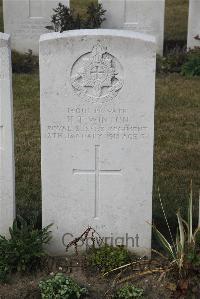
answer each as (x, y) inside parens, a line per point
(96, 77)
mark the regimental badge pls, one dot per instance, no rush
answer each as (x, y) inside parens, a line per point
(97, 76)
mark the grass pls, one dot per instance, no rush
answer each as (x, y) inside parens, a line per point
(176, 19)
(80, 5)
(27, 143)
(176, 142)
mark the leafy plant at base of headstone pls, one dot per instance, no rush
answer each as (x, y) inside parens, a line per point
(59, 286)
(100, 256)
(129, 291)
(191, 67)
(24, 63)
(107, 257)
(4, 271)
(23, 251)
(65, 18)
(172, 61)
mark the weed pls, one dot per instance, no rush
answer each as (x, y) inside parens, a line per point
(23, 251)
(24, 63)
(61, 287)
(191, 67)
(106, 258)
(128, 292)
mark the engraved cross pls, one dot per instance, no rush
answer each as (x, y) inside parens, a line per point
(97, 172)
(97, 72)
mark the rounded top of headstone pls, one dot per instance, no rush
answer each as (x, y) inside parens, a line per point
(4, 39)
(98, 32)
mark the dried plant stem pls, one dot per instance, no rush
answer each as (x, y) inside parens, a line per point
(148, 272)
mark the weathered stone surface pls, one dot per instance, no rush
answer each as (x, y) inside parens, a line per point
(26, 20)
(146, 16)
(7, 198)
(193, 39)
(97, 133)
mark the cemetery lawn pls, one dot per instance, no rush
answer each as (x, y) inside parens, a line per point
(27, 143)
(177, 155)
(176, 19)
(176, 143)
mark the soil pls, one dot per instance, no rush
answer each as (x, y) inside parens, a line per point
(99, 287)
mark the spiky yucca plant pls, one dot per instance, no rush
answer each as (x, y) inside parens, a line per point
(184, 251)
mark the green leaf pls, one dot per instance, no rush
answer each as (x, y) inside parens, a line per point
(166, 245)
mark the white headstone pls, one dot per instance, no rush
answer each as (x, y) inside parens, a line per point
(7, 201)
(97, 130)
(193, 39)
(146, 16)
(26, 20)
